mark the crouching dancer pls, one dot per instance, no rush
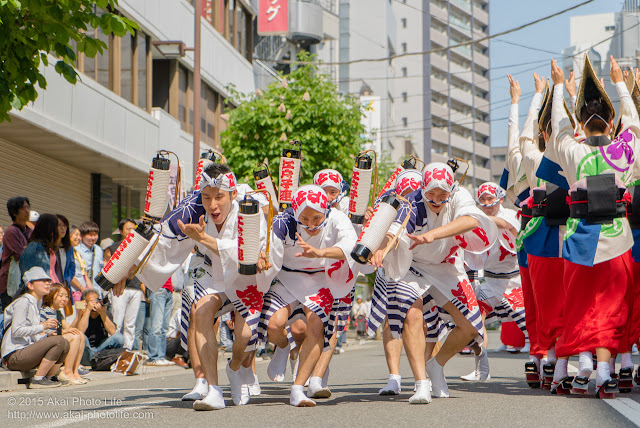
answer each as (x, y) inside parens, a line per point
(443, 221)
(208, 219)
(311, 244)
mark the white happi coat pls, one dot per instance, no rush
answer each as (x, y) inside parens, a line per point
(304, 277)
(440, 263)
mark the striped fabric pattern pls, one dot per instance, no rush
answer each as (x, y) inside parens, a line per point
(378, 305)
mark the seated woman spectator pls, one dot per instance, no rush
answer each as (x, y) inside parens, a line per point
(80, 279)
(96, 322)
(65, 251)
(43, 248)
(57, 305)
(25, 344)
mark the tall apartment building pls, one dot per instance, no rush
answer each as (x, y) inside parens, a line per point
(443, 107)
(85, 150)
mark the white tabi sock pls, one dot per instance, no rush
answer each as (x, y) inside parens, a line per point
(551, 356)
(393, 385)
(315, 382)
(278, 364)
(325, 378)
(585, 366)
(298, 398)
(602, 373)
(626, 361)
(560, 370)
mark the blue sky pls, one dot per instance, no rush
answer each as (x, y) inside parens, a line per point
(551, 35)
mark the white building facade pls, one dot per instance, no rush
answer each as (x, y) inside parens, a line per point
(443, 107)
(84, 151)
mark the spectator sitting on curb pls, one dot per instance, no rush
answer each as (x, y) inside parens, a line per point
(95, 321)
(53, 306)
(25, 344)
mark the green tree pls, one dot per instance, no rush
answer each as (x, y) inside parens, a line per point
(32, 29)
(305, 106)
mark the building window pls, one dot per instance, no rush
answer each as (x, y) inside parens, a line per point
(404, 71)
(404, 97)
(403, 21)
(124, 67)
(499, 158)
(210, 108)
(231, 19)
(183, 98)
(404, 47)
(610, 28)
(404, 122)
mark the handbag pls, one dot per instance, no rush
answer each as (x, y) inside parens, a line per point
(14, 279)
(128, 362)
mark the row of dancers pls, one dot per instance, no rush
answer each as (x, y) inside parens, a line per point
(561, 267)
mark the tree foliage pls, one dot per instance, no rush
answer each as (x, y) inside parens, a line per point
(32, 29)
(304, 106)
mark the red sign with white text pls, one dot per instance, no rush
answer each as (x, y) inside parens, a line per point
(273, 17)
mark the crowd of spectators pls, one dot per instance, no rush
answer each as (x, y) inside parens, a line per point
(55, 317)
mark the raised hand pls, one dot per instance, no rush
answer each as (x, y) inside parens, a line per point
(570, 84)
(539, 83)
(514, 90)
(616, 72)
(557, 75)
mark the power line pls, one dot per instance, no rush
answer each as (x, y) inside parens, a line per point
(443, 49)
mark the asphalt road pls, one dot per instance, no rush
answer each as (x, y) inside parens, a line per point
(153, 398)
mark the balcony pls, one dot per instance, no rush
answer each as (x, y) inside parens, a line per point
(440, 135)
(461, 96)
(462, 143)
(438, 85)
(439, 38)
(462, 5)
(483, 128)
(305, 22)
(483, 150)
(461, 72)
(480, 173)
(438, 157)
(481, 104)
(438, 13)
(439, 62)
(480, 15)
(439, 110)
(482, 83)
(481, 59)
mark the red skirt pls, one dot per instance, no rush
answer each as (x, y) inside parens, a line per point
(549, 289)
(530, 313)
(633, 300)
(511, 335)
(597, 312)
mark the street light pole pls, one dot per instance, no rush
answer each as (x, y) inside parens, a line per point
(196, 86)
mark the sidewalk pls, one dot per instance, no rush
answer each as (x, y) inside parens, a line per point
(148, 372)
